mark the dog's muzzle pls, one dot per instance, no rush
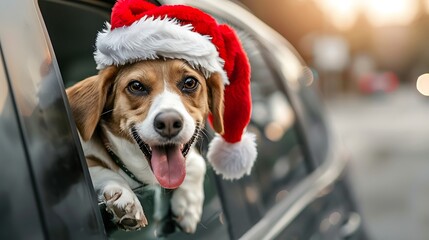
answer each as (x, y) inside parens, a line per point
(167, 161)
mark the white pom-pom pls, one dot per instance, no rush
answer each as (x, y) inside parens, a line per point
(232, 160)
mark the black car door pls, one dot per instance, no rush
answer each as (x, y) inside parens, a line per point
(46, 189)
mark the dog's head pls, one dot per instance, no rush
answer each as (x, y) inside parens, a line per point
(160, 105)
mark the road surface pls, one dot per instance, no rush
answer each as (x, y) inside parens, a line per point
(388, 138)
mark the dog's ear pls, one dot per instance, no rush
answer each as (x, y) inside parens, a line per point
(87, 100)
(215, 99)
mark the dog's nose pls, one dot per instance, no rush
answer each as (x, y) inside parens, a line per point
(168, 123)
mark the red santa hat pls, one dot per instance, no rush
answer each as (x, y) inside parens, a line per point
(140, 30)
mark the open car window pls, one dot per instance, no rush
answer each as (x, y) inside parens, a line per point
(230, 208)
(73, 44)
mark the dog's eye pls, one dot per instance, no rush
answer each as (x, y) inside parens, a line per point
(190, 84)
(137, 88)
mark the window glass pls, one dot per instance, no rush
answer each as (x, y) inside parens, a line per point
(58, 176)
(19, 201)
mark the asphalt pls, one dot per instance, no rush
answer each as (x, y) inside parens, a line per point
(388, 138)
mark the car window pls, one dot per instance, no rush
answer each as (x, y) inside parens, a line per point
(73, 45)
(230, 208)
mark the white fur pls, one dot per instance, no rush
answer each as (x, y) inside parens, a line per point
(232, 160)
(187, 200)
(131, 155)
(94, 148)
(151, 38)
(164, 101)
(128, 152)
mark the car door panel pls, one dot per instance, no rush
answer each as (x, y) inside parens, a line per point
(60, 180)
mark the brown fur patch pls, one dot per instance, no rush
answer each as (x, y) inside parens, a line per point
(87, 100)
(215, 93)
(93, 161)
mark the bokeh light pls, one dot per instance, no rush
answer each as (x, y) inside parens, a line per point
(380, 13)
(342, 13)
(423, 84)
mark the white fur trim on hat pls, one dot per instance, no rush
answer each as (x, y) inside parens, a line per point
(151, 38)
(232, 160)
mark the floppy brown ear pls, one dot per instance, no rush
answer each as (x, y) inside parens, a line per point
(87, 99)
(216, 106)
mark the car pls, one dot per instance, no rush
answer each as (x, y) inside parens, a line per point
(298, 188)
(378, 82)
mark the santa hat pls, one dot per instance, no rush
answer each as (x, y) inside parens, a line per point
(140, 30)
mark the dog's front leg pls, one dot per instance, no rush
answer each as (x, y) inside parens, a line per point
(187, 200)
(120, 200)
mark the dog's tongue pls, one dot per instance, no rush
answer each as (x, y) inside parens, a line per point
(168, 165)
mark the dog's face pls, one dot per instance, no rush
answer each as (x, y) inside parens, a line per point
(160, 105)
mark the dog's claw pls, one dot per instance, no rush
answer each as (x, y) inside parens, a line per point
(125, 207)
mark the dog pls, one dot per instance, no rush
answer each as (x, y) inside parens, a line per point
(147, 114)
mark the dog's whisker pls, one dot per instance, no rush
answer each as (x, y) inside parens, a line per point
(146, 168)
(204, 133)
(106, 112)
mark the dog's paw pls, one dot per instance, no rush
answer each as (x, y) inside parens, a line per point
(125, 207)
(187, 208)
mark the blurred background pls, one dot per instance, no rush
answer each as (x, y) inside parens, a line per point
(371, 57)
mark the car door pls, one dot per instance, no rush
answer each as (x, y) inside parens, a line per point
(46, 189)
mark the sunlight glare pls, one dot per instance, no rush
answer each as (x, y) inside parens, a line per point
(426, 5)
(380, 13)
(390, 12)
(342, 13)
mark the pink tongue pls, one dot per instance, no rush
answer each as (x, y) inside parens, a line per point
(168, 165)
